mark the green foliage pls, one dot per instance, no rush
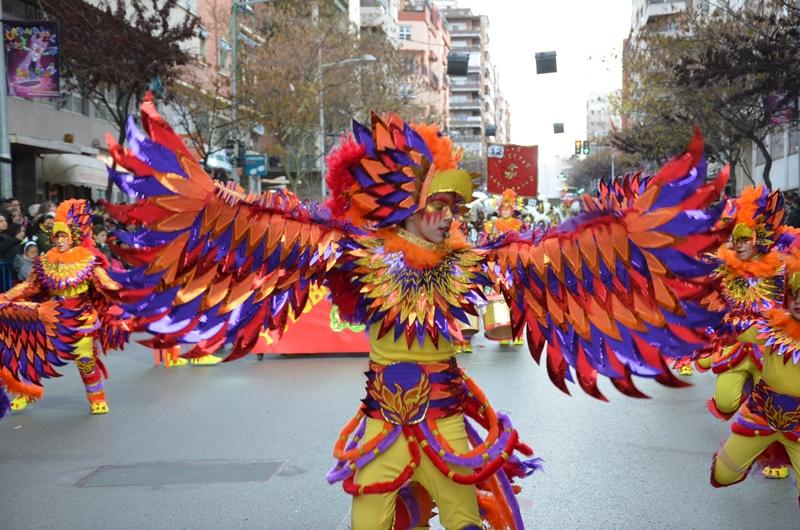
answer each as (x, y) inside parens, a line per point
(715, 72)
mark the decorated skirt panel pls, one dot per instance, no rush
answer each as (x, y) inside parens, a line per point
(768, 412)
(406, 393)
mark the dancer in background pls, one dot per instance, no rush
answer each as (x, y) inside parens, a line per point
(771, 414)
(65, 311)
(750, 275)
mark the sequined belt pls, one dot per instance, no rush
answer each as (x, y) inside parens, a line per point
(405, 393)
(766, 412)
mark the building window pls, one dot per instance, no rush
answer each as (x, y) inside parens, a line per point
(760, 160)
(776, 145)
(404, 32)
(794, 141)
(224, 48)
(189, 5)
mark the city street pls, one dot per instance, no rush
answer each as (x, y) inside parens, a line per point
(247, 445)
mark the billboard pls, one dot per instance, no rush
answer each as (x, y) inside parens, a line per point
(31, 48)
(513, 167)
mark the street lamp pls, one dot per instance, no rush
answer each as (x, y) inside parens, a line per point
(235, 56)
(321, 100)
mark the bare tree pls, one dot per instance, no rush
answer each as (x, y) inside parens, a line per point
(111, 52)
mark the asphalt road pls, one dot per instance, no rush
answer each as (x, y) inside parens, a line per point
(247, 445)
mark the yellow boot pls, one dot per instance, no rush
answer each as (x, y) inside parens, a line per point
(206, 360)
(98, 407)
(19, 403)
(177, 361)
(778, 472)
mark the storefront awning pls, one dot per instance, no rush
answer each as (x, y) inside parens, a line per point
(78, 170)
(44, 145)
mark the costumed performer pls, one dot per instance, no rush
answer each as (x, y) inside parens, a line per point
(750, 276)
(610, 293)
(771, 413)
(506, 223)
(64, 311)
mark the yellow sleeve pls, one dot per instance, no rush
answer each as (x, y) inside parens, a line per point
(103, 281)
(25, 290)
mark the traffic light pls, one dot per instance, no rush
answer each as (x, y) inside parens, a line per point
(241, 154)
(577, 147)
(586, 147)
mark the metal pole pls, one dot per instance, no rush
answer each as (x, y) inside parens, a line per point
(613, 173)
(6, 189)
(234, 72)
(321, 137)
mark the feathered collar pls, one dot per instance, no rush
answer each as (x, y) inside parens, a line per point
(781, 333)
(59, 270)
(418, 252)
(414, 291)
(766, 265)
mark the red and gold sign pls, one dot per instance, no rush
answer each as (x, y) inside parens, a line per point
(515, 167)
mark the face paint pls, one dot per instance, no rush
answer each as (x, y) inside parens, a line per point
(62, 241)
(436, 218)
(745, 248)
(793, 305)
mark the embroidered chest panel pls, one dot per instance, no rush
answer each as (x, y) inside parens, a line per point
(410, 301)
(749, 294)
(60, 277)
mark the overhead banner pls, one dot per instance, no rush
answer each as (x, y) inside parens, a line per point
(513, 167)
(31, 48)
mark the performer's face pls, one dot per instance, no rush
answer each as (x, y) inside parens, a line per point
(506, 211)
(62, 241)
(793, 304)
(434, 221)
(745, 248)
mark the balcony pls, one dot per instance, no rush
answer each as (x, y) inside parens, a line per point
(465, 33)
(468, 87)
(465, 105)
(456, 120)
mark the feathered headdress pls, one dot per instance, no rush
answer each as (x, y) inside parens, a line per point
(74, 217)
(509, 198)
(758, 214)
(792, 273)
(382, 174)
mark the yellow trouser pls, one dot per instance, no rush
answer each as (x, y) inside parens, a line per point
(457, 503)
(84, 348)
(728, 392)
(739, 452)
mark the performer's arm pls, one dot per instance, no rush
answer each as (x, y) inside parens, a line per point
(103, 282)
(23, 291)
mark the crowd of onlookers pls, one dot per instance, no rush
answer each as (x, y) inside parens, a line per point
(25, 233)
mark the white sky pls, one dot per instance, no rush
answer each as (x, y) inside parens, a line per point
(582, 33)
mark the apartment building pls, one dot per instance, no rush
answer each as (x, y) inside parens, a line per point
(472, 97)
(381, 16)
(424, 37)
(600, 115)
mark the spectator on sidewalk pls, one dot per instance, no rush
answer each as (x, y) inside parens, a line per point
(10, 238)
(42, 233)
(23, 263)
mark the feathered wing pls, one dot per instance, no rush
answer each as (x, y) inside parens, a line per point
(31, 344)
(213, 264)
(619, 287)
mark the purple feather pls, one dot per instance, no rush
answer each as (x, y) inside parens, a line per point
(151, 153)
(363, 136)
